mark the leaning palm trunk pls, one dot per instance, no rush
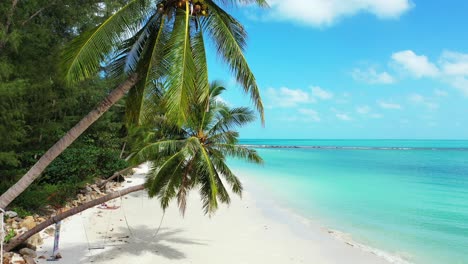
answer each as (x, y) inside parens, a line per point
(73, 211)
(66, 141)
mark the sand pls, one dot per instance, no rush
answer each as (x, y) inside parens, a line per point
(250, 230)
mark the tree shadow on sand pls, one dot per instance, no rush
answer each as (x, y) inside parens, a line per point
(141, 240)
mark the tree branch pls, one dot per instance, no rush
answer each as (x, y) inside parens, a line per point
(37, 13)
(8, 23)
(73, 211)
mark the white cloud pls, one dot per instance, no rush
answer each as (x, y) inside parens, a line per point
(310, 115)
(388, 105)
(454, 63)
(285, 97)
(371, 76)
(455, 68)
(460, 83)
(416, 65)
(440, 93)
(321, 93)
(421, 100)
(366, 110)
(416, 98)
(451, 68)
(343, 117)
(363, 110)
(321, 13)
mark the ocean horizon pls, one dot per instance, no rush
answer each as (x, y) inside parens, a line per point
(407, 199)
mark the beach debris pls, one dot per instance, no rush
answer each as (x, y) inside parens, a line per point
(7, 258)
(16, 259)
(28, 223)
(28, 252)
(29, 260)
(109, 207)
(11, 214)
(19, 226)
(50, 231)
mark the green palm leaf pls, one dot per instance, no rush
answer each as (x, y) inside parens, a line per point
(84, 55)
(229, 118)
(150, 70)
(181, 80)
(223, 169)
(239, 152)
(159, 148)
(201, 65)
(210, 170)
(229, 38)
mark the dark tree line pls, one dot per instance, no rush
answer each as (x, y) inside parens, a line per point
(36, 108)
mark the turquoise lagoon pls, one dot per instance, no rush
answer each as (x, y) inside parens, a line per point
(408, 198)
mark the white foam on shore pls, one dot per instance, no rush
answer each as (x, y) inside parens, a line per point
(347, 238)
(292, 217)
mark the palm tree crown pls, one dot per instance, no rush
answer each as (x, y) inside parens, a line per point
(194, 156)
(165, 40)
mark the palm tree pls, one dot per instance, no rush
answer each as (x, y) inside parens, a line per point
(148, 41)
(194, 156)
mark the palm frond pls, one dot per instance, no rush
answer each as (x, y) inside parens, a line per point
(201, 65)
(223, 194)
(229, 38)
(216, 88)
(227, 137)
(185, 185)
(241, 152)
(159, 148)
(150, 71)
(229, 118)
(223, 169)
(161, 175)
(82, 58)
(182, 72)
(210, 171)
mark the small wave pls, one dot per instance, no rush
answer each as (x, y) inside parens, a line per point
(346, 238)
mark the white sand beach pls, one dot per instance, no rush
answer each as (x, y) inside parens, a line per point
(243, 233)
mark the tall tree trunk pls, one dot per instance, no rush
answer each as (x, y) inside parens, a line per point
(66, 141)
(73, 211)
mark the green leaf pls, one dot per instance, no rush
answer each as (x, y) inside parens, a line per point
(181, 79)
(83, 56)
(229, 38)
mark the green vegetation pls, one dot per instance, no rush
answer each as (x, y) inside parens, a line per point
(37, 109)
(194, 155)
(9, 235)
(166, 44)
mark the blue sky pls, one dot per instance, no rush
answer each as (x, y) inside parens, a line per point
(356, 69)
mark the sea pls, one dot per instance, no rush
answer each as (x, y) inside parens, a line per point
(406, 200)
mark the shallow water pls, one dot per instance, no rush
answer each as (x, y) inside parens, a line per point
(408, 198)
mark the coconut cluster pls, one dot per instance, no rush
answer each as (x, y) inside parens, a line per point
(197, 7)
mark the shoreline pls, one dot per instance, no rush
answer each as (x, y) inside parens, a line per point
(291, 217)
(244, 232)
